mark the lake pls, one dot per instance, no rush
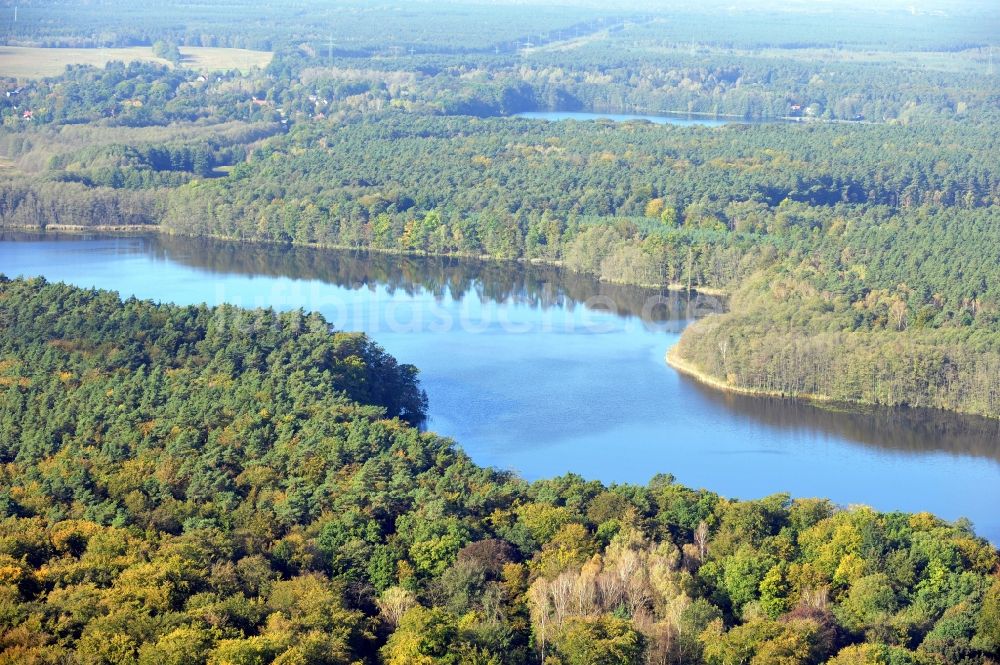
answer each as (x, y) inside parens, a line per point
(543, 372)
(679, 120)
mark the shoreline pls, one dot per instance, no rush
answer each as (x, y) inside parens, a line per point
(160, 230)
(732, 118)
(80, 228)
(688, 369)
(672, 357)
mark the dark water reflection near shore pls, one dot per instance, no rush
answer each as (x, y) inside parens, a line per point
(545, 372)
(911, 431)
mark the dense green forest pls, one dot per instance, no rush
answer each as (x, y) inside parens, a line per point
(848, 231)
(470, 26)
(234, 487)
(217, 485)
(859, 243)
(354, 26)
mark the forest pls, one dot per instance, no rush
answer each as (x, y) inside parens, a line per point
(819, 228)
(354, 26)
(195, 484)
(851, 213)
(218, 485)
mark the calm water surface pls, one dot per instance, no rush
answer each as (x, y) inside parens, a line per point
(679, 120)
(545, 373)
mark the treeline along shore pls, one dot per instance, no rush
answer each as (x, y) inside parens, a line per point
(193, 484)
(860, 255)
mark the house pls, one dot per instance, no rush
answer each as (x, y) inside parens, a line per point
(28, 115)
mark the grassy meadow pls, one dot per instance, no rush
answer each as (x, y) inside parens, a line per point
(32, 62)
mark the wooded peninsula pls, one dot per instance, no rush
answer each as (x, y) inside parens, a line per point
(861, 257)
(194, 484)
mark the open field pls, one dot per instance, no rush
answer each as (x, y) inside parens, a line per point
(31, 62)
(214, 59)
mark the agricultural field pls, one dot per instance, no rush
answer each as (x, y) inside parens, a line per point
(31, 62)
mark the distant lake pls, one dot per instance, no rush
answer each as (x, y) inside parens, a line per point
(680, 120)
(545, 372)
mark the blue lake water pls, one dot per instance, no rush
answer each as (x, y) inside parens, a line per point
(679, 120)
(543, 372)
